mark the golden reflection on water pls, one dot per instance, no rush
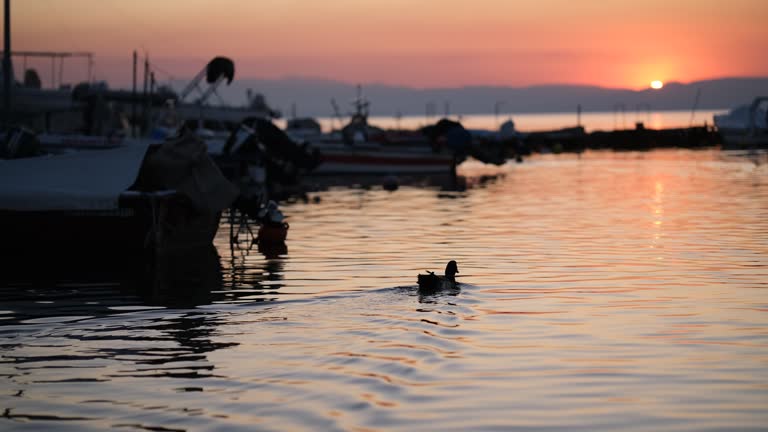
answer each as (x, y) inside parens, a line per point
(629, 283)
(607, 291)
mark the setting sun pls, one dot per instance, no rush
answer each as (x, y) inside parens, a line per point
(656, 84)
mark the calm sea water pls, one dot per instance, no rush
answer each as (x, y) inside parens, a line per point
(611, 291)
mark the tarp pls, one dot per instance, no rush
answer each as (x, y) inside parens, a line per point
(183, 164)
(84, 180)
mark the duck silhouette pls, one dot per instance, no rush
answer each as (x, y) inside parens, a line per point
(431, 282)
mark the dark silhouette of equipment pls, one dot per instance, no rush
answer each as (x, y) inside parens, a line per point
(285, 159)
(218, 70)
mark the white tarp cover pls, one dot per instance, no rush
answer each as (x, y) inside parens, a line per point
(85, 180)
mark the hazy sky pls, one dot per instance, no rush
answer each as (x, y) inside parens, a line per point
(420, 43)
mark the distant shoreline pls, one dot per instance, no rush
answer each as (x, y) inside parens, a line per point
(308, 97)
(532, 122)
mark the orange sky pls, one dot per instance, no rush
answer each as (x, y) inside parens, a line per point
(420, 43)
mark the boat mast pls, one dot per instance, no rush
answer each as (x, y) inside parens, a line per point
(133, 97)
(7, 64)
(361, 104)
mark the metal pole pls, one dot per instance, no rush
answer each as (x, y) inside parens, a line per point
(133, 97)
(144, 105)
(90, 68)
(695, 105)
(148, 115)
(61, 70)
(7, 64)
(578, 115)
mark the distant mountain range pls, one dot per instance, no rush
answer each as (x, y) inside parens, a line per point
(312, 97)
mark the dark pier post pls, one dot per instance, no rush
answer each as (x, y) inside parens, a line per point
(7, 65)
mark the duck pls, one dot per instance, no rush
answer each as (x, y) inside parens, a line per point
(431, 282)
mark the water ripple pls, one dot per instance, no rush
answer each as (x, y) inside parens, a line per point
(610, 291)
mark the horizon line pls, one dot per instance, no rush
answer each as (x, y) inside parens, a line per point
(464, 86)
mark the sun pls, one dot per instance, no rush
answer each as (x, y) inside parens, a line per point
(656, 84)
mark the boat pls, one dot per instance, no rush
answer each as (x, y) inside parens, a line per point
(745, 126)
(260, 150)
(97, 117)
(361, 148)
(108, 206)
(382, 158)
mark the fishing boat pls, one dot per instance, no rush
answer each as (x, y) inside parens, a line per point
(98, 117)
(373, 157)
(362, 148)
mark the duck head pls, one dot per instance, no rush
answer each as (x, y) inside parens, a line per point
(450, 270)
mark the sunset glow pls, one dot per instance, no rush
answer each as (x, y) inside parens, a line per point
(656, 84)
(421, 44)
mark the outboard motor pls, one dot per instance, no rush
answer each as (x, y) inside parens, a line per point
(261, 158)
(245, 166)
(285, 160)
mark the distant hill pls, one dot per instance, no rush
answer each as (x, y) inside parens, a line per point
(312, 96)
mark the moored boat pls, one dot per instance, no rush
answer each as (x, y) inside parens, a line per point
(361, 148)
(378, 159)
(124, 203)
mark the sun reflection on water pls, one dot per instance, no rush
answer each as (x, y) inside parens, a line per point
(608, 291)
